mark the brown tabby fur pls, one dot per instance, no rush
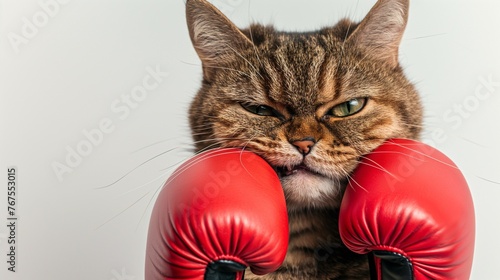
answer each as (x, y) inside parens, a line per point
(302, 76)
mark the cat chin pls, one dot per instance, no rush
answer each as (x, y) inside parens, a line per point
(304, 189)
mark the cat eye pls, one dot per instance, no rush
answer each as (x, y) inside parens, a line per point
(261, 110)
(348, 108)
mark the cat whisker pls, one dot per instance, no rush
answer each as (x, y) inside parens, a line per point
(474, 143)
(188, 149)
(159, 188)
(249, 140)
(205, 124)
(488, 180)
(426, 36)
(202, 131)
(219, 142)
(416, 157)
(351, 179)
(135, 168)
(152, 144)
(413, 125)
(199, 158)
(377, 166)
(151, 199)
(215, 139)
(123, 211)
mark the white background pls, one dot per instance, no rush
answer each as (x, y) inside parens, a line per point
(63, 77)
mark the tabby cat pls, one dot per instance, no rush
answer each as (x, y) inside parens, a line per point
(311, 104)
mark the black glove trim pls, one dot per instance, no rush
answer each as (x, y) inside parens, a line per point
(393, 266)
(223, 270)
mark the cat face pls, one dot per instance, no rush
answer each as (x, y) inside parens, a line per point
(311, 104)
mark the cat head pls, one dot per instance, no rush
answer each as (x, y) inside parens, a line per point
(311, 104)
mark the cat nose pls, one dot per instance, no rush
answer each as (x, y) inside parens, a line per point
(304, 145)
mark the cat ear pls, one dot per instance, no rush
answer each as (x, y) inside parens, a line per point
(214, 37)
(380, 32)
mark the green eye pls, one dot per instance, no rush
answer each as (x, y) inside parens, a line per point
(348, 108)
(261, 110)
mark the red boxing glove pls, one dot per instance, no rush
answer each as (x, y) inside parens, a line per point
(410, 207)
(218, 213)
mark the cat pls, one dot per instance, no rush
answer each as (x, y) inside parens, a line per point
(312, 104)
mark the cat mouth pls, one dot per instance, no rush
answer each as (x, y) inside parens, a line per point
(285, 171)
